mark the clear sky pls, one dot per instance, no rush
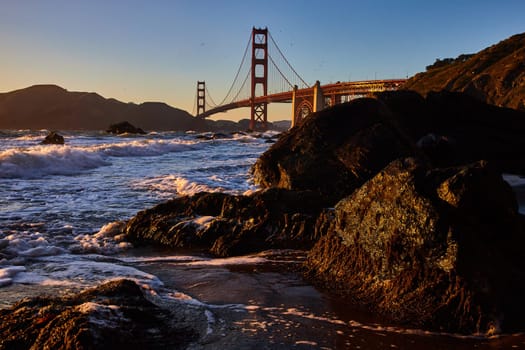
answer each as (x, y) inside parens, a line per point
(156, 50)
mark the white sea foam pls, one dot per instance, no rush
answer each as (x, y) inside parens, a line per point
(240, 260)
(110, 239)
(144, 147)
(81, 272)
(193, 260)
(162, 259)
(169, 186)
(30, 244)
(16, 248)
(40, 160)
(90, 306)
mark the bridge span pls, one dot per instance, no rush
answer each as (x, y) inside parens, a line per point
(312, 99)
(304, 99)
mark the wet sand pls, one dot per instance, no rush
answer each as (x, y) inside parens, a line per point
(282, 311)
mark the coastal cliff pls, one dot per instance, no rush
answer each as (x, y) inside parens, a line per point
(495, 75)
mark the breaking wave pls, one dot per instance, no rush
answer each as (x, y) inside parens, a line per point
(42, 160)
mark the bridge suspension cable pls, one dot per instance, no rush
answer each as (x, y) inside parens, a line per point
(195, 103)
(293, 78)
(210, 99)
(244, 65)
(283, 76)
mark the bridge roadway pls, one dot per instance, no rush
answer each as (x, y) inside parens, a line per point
(333, 91)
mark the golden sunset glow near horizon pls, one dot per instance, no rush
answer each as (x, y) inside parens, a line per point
(138, 51)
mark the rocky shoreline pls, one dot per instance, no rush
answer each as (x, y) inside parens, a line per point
(399, 200)
(424, 232)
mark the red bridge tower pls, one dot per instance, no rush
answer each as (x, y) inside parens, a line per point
(201, 97)
(259, 77)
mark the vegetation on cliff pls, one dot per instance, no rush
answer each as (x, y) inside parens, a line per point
(495, 75)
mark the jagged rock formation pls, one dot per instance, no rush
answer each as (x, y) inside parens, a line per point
(115, 315)
(227, 225)
(431, 248)
(495, 75)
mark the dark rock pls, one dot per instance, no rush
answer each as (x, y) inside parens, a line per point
(115, 315)
(124, 128)
(466, 129)
(231, 225)
(438, 249)
(334, 151)
(53, 138)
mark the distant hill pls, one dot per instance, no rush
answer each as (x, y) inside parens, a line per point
(495, 75)
(52, 107)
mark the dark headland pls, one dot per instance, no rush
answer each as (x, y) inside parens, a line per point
(55, 108)
(399, 200)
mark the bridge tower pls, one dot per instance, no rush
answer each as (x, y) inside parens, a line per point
(201, 97)
(259, 76)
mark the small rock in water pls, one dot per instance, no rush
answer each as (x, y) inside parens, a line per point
(53, 139)
(123, 128)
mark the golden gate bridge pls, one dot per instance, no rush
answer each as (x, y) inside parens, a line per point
(268, 65)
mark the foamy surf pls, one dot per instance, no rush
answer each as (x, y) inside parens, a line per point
(169, 186)
(41, 160)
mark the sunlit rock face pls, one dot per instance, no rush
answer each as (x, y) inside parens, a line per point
(433, 248)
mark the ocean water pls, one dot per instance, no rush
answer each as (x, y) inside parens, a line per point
(62, 208)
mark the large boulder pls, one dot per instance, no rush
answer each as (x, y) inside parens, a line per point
(115, 315)
(334, 151)
(228, 225)
(454, 128)
(438, 249)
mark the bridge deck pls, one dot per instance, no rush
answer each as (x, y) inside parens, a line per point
(351, 88)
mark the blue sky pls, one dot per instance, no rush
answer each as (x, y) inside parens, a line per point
(138, 51)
